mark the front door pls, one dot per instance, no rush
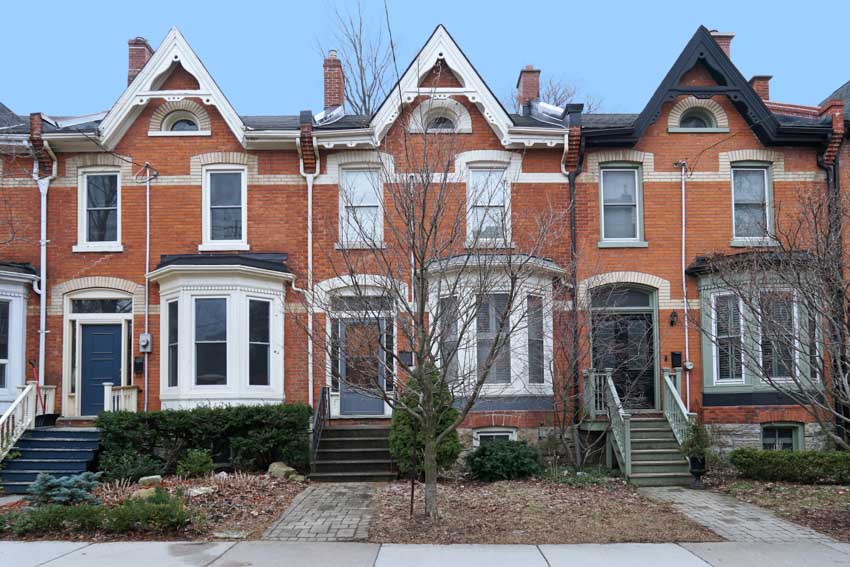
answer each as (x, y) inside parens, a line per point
(100, 362)
(625, 343)
(362, 374)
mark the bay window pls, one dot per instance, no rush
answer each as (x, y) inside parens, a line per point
(211, 342)
(173, 344)
(4, 343)
(494, 327)
(728, 348)
(778, 335)
(536, 358)
(259, 342)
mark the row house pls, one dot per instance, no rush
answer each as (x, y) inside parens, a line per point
(168, 252)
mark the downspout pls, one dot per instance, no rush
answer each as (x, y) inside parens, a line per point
(308, 293)
(147, 337)
(682, 164)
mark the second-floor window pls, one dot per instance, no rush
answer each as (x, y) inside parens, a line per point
(487, 197)
(100, 211)
(361, 219)
(621, 205)
(750, 192)
(225, 209)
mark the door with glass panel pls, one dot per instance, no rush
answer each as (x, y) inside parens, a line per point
(361, 361)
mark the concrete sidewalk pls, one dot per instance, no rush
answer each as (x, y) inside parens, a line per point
(268, 553)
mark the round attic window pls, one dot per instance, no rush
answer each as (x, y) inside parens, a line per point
(180, 121)
(697, 118)
(440, 124)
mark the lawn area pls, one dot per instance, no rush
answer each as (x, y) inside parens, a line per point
(825, 508)
(606, 510)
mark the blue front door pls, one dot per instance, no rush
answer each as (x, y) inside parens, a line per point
(362, 371)
(101, 362)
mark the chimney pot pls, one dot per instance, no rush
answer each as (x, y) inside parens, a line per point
(724, 40)
(334, 81)
(761, 84)
(528, 85)
(139, 53)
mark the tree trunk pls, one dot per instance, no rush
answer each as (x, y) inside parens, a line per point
(429, 466)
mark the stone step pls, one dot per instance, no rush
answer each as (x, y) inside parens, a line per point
(354, 466)
(353, 477)
(349, 454)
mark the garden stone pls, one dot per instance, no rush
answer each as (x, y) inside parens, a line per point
(221, 476)
(143, 493)
(281, 470)
(230, 534)
(154, 480)
(298, 478)
(200, 491)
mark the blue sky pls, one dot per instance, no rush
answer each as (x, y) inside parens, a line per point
(265, 56)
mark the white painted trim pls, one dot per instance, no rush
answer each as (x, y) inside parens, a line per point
(207, 243)
(15, 290)
(638, 239)
(715, 347)
(83, 244)
(768, 205)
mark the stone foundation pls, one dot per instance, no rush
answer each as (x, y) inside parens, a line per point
(726, 437)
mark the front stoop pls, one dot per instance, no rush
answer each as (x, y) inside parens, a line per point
(59, 451)
(354, 453)
(656, 460)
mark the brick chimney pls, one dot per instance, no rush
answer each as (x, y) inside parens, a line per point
(140, 52)
(528, 85)
(724, 40)
(761, 84)
(334, 81)
(45, 163)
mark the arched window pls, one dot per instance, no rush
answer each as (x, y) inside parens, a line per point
(180, 121)
(440, 124)
(697, 118)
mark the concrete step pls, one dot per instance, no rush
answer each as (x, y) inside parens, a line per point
(46, 465)
(353, 443)
(349, 454)
(355, 431)
(355, 466)
(353, 477)
(57, 443)
(661, 479)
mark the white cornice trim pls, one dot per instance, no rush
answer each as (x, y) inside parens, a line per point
(195, 270)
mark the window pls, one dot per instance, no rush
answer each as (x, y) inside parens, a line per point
(180, 121)
(440, 124)
(778, 335)
(620, 205)
(4, 343)
(535, 340)
(99, 219)
(102, 305)
(492, 310)
(173, 343)
(697, 118)
(225, 210)
(361, 219)
(211, 342)
(449, 337)
(487, 194)
(779, 438)
(259, 337)
(485, 436)
(728, 345)
(751, 216)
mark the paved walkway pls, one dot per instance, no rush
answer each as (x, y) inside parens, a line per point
(272, 553)
(326, 512)
(732, 519)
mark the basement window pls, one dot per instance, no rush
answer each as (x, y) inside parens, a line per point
(494, 435)
(780, 437)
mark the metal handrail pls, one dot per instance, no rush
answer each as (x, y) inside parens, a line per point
(321, 417)
(675, 411)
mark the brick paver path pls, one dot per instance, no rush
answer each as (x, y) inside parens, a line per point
(731, 519)
(326, 512)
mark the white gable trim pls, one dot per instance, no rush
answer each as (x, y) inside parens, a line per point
(173, 49)
(441, 47)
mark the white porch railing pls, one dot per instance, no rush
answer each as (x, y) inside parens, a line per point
(675, 411)
(120, 398)
(32, 400)
(621, 425)
(595, 383)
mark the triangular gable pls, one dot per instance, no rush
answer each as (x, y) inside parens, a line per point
(442, 47)
(173, 50)
(703, 49)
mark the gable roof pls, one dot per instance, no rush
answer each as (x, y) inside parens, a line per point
(9, 119)
(703, 49)
(173, 50)
(841, 93)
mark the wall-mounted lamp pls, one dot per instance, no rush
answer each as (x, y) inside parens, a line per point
(674, 318)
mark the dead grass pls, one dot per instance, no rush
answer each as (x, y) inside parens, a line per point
(530, 512)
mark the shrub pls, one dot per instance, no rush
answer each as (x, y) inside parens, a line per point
(278, 431)
(401, 433)
(696, 442)
(67, 491)
(128, 465)
(806, 467)
(196, 462)
(158, 514)
(57, 518)
(504, 460)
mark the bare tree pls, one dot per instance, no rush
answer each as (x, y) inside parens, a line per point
(781, 315)
(559, 92)
(366, 56)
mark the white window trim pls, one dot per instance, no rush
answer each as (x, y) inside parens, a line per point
(739, 241)
(171, 118)
(715, 350)
(83, 245)
(16, 293)
(471, 240)
(511, 432)
(166, 317)
(795, 324)
(209, 245)
(638, 240)
(270, 304)
(342, 242)
(229, 336)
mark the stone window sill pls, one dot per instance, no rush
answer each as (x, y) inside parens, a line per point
(98, 247)
(623, 244)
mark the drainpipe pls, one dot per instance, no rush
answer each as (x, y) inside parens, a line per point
(145, 340)
(682, 164)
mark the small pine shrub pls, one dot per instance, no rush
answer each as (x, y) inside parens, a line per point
(161, 513)
(128, 465)
(504, 460)
(65, 491)
(53, 518)
(196, 462)
(805, 467)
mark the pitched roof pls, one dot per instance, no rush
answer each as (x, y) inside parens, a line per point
(841, 93)
(275, 262)
(8, 119)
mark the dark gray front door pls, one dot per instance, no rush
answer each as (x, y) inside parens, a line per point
(625, 343)
(101, 362)
(361, 369)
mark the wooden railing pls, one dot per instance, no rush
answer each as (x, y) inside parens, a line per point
(32, 400)
(321, 417)
(675, 411)
(595, 383)
(621, 425)
(120, 398)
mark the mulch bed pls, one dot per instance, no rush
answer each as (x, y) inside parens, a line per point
(241, 506)
(530, 512)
